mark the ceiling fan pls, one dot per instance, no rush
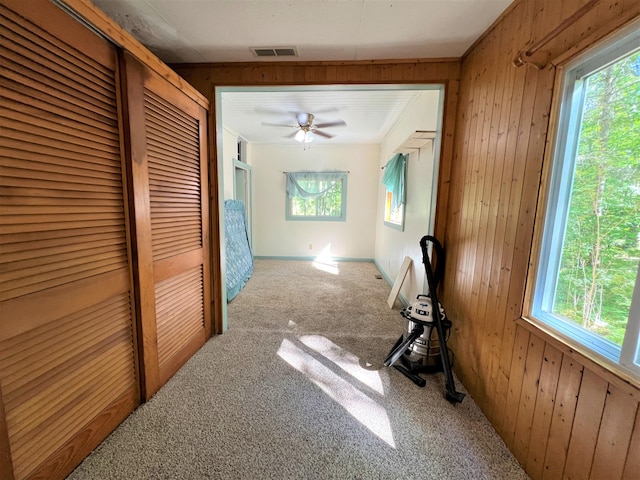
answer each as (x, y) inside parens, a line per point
(306, 129)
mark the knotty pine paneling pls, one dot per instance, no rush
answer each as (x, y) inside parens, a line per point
(560, 414)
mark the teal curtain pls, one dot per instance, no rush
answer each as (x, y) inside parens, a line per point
(394, 179)
(314, 188)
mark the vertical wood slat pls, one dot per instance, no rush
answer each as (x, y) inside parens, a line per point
(614, 436)
(542, 417)
(632, 463)
(566, 398)
(520, 350)
(584, 435)
(528, 397)
(488, 262)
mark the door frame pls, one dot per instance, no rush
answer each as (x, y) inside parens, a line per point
(248, 198)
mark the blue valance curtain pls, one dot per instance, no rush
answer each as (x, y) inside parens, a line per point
(313, 183)
(394, 179)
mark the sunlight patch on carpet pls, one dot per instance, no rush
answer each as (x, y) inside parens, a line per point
(325, 262)
(347, 361)
(365, 410)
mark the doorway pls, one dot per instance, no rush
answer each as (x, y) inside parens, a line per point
(242, 191)
(259, 114)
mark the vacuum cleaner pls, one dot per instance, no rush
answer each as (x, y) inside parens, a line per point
(422, 348)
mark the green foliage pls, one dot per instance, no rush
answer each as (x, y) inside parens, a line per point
(601, 251)
(327, 205)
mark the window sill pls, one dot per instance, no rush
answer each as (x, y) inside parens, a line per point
(315, 219)
(395, 226)
(606, 369)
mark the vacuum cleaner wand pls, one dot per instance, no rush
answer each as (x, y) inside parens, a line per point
(451, 394)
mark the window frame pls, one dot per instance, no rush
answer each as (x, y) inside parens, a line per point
(315, 218)
(625, 360)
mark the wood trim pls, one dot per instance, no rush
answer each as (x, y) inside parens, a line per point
(206, 76)
(75, 450)
(126, 193)
(168, 267)
(449, 113)
(205, 154)
(217, 301)
(38, 308)
(97, 19)
(133, 76)
(527, 57)
(325, 63)
(599, 35)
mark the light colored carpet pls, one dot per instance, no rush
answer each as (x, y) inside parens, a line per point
(296, 389)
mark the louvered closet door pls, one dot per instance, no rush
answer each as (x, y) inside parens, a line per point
(68, 371)
(169, 180)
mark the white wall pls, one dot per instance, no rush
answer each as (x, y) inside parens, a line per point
(392, 245)
(274, 236)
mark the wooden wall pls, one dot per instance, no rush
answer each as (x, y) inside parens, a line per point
(562, 415)
(446, 71)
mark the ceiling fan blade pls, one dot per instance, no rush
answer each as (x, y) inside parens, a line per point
(291, 135)
(322, 134)
(337, 123)
(277, 125)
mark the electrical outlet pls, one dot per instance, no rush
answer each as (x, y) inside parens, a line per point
(310, 247)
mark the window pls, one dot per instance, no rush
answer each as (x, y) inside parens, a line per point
(316, 196)
(587, 282)
(394, 178)
(394, 216)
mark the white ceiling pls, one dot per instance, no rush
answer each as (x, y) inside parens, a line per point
(180, 31)
(195, 31)
(369, 113)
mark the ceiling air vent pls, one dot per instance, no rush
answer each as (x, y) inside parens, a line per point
(274, 51)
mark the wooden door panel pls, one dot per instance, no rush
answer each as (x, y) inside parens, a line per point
(179, 312)
(168, 178)
(68, 361)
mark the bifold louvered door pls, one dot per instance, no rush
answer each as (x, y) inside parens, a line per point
(68, 362)
(169, 187)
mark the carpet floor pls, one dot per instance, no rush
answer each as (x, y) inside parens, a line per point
(296, 389)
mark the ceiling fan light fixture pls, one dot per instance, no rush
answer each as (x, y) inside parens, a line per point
(308, 136)
(300, 136)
